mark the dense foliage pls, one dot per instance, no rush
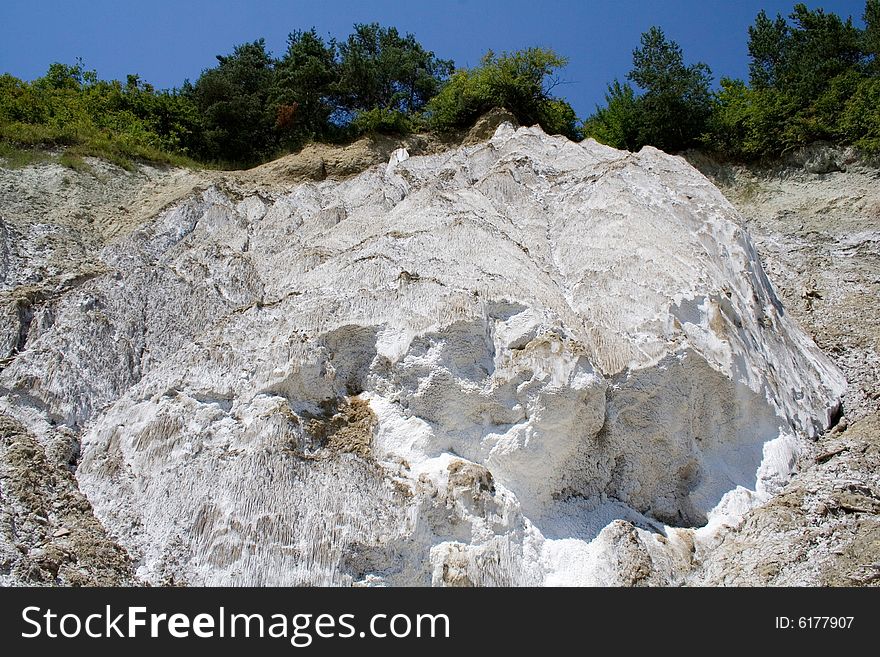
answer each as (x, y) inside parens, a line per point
(812, 76)
(233, 101)
(246, 109)
(252, 106)
(521, 82)
(672, 111)
(70, 107)
(379, 69)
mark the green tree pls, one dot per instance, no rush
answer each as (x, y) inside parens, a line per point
(65, 77)
(673, 109)
(801, 58)
(233, 100)
(616, 124)
(820, 47)
(860, 121)
(380, 69)
(803, 72)
(301, 95)
(677, 99)
(767, 46)
(871, 38)
(749, 123)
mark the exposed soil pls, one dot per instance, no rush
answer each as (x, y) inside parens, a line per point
(48, 532)
(816, 223)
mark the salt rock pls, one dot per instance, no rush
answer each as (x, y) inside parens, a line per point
(497, 365)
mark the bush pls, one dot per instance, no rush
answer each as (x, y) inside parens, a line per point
(382, 121)
(823, 117)
(750, 123)
(74, 161)
(616, 124)
(13, 157)
(69, 107)
(860, 121)
(753, 123)
(519, 82)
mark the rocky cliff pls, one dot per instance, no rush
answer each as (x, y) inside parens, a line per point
(521, 361)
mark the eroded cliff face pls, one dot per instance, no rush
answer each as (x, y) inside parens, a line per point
(525, 361)
(814, 220)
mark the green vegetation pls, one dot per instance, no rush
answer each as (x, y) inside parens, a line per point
(809, 79)
(16, 158)
(302, 94)
(519, 82)
(73, 161)
(379, 69)
(233, 103)
(812, 76)
(671, 113)
(69, 107)
(251, 107)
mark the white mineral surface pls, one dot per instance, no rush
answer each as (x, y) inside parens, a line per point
(523, 362)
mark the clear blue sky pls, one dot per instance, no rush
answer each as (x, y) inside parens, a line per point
(167, 41)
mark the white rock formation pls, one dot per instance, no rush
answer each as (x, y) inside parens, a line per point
(522, 362)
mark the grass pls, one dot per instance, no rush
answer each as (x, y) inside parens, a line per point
(22, 144)
(13, 157)
(73, 161)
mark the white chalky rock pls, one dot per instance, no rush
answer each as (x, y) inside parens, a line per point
(465, 368)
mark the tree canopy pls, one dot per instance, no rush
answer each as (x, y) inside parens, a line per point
(302, 92)
(379, 68)
(672, 110)
(813, 75)
(233, 100)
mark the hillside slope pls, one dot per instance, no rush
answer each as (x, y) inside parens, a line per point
(816, 223)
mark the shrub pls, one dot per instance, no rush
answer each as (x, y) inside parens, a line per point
(71, 108)
(382, 121)
(616, 124)
(75, 162)
(519, 82)
(748, 123)
(860, 120)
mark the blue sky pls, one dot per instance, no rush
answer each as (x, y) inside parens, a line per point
(167, 41)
